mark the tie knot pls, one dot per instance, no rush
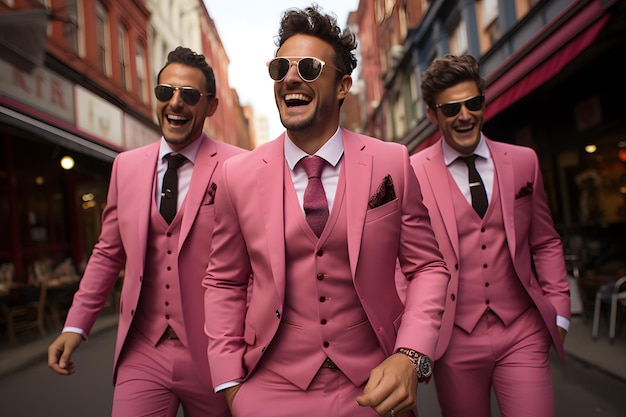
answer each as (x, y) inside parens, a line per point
(469, 160)
(313, 166)
(175, 161)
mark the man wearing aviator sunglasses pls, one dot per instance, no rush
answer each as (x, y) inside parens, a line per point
(302, 314)
(160, 360)
(508, 298)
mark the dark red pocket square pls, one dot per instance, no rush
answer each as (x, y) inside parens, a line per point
(524, 191)
(211, 193)
(384, 194)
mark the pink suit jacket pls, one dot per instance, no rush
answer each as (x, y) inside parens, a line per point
(249, 240)
(122, 242)
(528, 225)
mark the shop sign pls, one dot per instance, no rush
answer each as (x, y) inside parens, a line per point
(41, 90)
(98, 117)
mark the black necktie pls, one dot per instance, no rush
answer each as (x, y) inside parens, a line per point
(169, 191)
(477, 188)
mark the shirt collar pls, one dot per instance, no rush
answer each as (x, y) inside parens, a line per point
(190, 151)
(331, 151)
(450, 154)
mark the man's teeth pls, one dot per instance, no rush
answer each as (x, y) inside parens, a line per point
(299, 97)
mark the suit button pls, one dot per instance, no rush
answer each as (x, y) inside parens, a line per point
(322, 299)
(326, 344)
(277, 314)
(320, 252)
(323, 321)
(320, 277)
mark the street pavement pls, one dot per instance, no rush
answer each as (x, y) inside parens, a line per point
(591, 382)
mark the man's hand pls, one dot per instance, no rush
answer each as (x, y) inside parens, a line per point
(392, 385)
(60, 353)
(562, 333)
(230, 394)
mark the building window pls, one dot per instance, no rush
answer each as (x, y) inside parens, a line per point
(458, 39)
(102, 39)
(123, 59)
(490, 14)
(72, 26)
(140, 63)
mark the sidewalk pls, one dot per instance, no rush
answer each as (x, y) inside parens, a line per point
(609, 358)
(15, 358)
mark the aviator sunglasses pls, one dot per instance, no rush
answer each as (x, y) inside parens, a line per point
(309, 68)
(454, 107)
(191, 96)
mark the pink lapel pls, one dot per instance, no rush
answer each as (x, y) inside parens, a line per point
(357, 163)
(204, 167)
(438, 177)
(269, 198)
(142, 182)
(505, 176)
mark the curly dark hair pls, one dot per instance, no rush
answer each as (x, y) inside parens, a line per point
(186, 56)
(314, 22)
(448, 71)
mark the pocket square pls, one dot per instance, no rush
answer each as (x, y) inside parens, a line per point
(384, 194)
(524, 191)
(211, 193)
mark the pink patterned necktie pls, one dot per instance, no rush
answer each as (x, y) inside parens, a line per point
(315, 203)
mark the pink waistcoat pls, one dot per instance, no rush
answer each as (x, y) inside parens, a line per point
(322, 316)
(487, 279)
(160, 299)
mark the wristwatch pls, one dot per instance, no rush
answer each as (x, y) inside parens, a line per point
(422, 363)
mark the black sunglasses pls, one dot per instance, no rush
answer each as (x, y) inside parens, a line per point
(191, 96)
(309, 68)
(454, 107)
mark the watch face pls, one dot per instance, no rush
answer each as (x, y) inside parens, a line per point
(425, 367)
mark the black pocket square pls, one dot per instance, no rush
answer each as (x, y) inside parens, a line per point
(524, 191)
(384, 194)
(211, 193)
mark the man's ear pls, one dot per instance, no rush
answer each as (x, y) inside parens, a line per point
(432, 115)
(344, 87)
(213, 103)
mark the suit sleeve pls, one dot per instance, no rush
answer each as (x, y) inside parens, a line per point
(422, 265)
(226, 283)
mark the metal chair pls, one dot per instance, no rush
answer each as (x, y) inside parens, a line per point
(612, 295)
(618, 301)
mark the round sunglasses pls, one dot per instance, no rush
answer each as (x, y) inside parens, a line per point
(309, 68)
(191, 96)
(454, 107)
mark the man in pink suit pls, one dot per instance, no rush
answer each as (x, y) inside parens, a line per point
(160, 354)
(303, 316)
(508, 298)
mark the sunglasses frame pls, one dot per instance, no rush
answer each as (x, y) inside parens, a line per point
(460, 104)
(296, 60)
(183, 96)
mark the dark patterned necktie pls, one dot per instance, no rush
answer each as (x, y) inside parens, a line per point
(169, 191)
(477, 188)
(315, 202)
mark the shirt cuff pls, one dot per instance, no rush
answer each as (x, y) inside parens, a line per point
(563, 322)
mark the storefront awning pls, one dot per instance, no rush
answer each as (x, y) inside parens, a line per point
(55, 135)
(546, 60)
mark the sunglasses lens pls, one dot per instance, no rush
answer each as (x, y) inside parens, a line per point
(278, 68)
(450, 109)
(475, 103)
(190, 95)
(309, 69)
(163, 92)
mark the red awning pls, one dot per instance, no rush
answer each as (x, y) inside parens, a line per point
(546, 60)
